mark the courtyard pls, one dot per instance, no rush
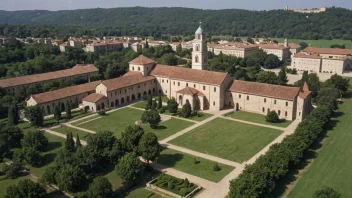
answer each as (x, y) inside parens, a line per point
(227, 139)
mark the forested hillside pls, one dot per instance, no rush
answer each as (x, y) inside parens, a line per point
(140, 21)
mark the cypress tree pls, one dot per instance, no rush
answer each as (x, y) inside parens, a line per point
(282, 77)
(154, 105)
(68, 110)
(160, 103)
(70, 143)
(57, 113)
(78, 142)
(12, 118)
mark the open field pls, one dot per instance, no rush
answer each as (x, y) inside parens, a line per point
(142, 193)
(227, 139)
(319, 43)
(332, 166)
(75, 123)
(64, 129)
(117, 121)
(186, 163)
(257, 118)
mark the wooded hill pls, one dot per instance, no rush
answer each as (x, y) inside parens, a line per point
(335, 23)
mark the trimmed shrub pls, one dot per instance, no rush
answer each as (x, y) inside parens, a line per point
(272, 117)
(102, 113)
(216, 167)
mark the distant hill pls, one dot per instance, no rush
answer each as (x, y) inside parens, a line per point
(335, 23)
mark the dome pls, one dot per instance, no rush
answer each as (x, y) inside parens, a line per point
(200, 30)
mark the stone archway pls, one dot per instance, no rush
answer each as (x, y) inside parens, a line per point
(112, 104)
(133, 97)
(122, 100)
(149, 92)
(48, 109)
(116, 102)
(102, 105)
(128, 99)
(139, 95)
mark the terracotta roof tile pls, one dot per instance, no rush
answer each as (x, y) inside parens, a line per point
(131, 78)
(305, 92)
(316, 56)
(266, 90)
(94, 97)
(49, 76)
(271, 46)
(65, 92)
(142, 60)
(336, 51)
(190, 91)
(192, 75)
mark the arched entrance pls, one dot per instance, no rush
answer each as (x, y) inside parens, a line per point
(180, 100)
(149, 92)
(48, 109)
(102, 105)
(237, 107)
(62, 106)
(116, 102)
(128, 98)
(144, 93)
(133, 97)
(139, 95)
(122, 100)
(112, 104)
(98, 108)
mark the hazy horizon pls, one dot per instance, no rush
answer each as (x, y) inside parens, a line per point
(12, 5)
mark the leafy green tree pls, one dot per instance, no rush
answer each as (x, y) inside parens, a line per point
(149, 147)
(26, 188)
(131, 137)
(14, 170)
(338, 82)
(250, 40)
(152, 117)
(172, 105)
(36, 140)
(160, 102)
(282, 77)
(168, 59)
(57, 113)
(313, 84)
(271, 61)
(186, 109)
(267, 77)
(49, 175)
(10, 137)
(68, 110)
(272, 117)
(130, 168)
(303, 45)
(100, 188)
(35, 115)
(65, 157)
(70, 143)
(12, 116)
(28, 155)
(146, 45)
(78, 142)
(69, 178)
(326, 192)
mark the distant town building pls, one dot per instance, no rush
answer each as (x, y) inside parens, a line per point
(104, 46)
(242, 50)
(308, 11)
(322, 60)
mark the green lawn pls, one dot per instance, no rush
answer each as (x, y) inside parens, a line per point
(142, 193)
(186, 163)
(319, 43)
(75, 123)
(64, 129)
(5, 183)
(26, 127)
(332, 167)
(257, 118)
(55, 144)
(228, 139)
(117, 121)
(75, 114)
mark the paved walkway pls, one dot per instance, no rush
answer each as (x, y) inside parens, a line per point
(253, 123)
(84, 143)
(176, 117)
(202, 155)
(88, 120)
(79, 128)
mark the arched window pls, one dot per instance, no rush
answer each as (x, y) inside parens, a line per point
(196, 59)
(139, 69)
(102, 105)
(139, 95)
(112, 104)
(133, 68)
(197, 48)
(198, 36)
(180, 100)
(48, 109)
(278, 112)
(116, 102)
(128, 98)
(149, 92)
(122, 100)
(133, 97)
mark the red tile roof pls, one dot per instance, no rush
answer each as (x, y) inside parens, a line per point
(142, 60)
(305, 92)
(266, 90)
(65, 92)
(190, 91)
(271, 46)
(192, 75)
(315, 56)
(131, 78)
(94, 97)
(336, 51)
(36, 78)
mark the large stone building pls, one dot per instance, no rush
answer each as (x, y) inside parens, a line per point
(237, 49)
(281, 51)
(307, 11)
(16, 86)
(203, 89)
(105, 46)
(322, 60)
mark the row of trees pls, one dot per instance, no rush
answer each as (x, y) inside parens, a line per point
(259, 178)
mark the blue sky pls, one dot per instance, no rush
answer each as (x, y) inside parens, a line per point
(203, 4)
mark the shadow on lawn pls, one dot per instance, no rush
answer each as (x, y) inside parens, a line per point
(169, 159)
(48, 158)
(53, 145)
(308, 156)
(57, 194)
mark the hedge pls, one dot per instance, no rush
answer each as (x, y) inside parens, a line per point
(260, 177)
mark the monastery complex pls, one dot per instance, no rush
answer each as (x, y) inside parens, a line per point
(205, 90)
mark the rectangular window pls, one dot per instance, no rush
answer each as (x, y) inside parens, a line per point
(214, 103)
(214, 89)
(286, 104)
(194, 85)
(239, 95)
(247, 97)
(178, 83)
(264, 100)
(203, 87)
(274, 101)
(174, 82)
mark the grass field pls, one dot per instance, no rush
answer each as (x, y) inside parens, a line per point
(142, 193)
(319, 43)
(75, 123)
(117, 121)
(64, 129)
(227, 139)
(186, 163)
(55, 144)
(257, 118)
(332, 167)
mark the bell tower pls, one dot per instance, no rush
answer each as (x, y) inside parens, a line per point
(200, 51)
